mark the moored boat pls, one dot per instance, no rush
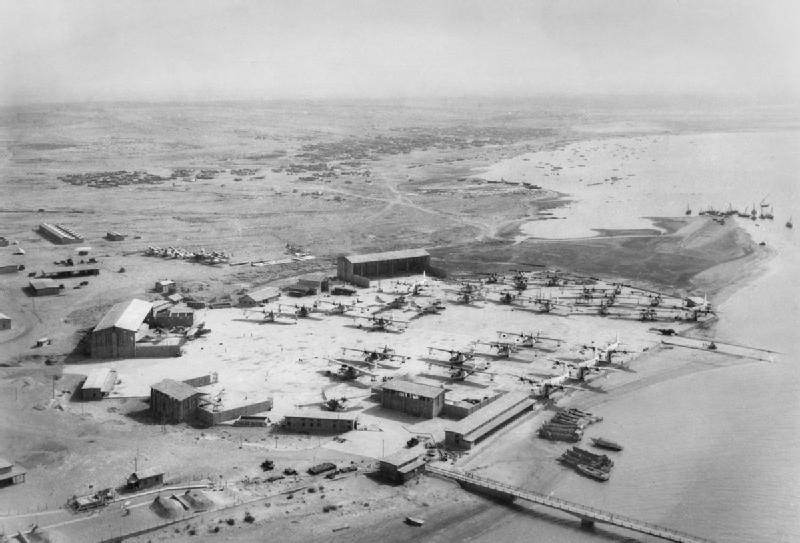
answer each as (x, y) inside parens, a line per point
(603, 443)
(594, 473)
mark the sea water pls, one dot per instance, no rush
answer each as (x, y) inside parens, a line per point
(715, 453)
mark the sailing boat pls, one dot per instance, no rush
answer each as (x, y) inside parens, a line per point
(688, 210)
(789, 223)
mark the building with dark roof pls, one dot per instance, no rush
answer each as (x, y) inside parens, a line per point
(360, 268)
(401, 466)
(320, 422)
(173, 401)
(44, 287)
(115, 335)
(413, 398)
(10, 474)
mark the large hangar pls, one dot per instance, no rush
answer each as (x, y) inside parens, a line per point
(359, 269)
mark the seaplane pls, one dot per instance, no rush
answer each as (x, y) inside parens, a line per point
(416, 288)
(467, 292)
(503, 348)
(397, 303)
(506, 297)
(434, 307)
(349, 370)
(373, 357)
(542, 305)
(382, 324)
(519, 281)
(599, 361)
(334, 404)
(460, 371)
(270, 315)
(337, 308)
(524, 339)
(456, 357)
(544, 387)
(301, 311)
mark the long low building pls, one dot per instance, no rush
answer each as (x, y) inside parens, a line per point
(473, 428)
(58, 233)
(44, 287)
(358, 269)
(322, 422)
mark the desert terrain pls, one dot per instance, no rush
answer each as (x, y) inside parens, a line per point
(248, 179)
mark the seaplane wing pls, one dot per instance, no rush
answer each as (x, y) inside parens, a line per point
(345, 364)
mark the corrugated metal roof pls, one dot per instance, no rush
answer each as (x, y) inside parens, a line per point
(37, 284)
(125, 315)
(98, 377)
(390, 255)
(263, 294)
(487, 413)
(175, 389)
(426, 391)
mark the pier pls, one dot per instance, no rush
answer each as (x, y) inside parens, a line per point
(587, 515)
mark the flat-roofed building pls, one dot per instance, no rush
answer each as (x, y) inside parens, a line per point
(401, 466)
(413, 398)
(360, 268)
(115, 335)
(166, 286)
(99, 384)
(322, 422)
(10, 474)
(44, 287)
(5, 322)
(173, 401)
(176, 315)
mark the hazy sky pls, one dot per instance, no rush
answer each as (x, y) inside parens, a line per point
(82, 50)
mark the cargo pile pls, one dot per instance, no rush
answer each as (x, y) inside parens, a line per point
(567, 425)
(595, 466)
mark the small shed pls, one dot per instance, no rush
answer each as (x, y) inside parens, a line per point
(115, 236)
(5, 322)
(401, 466)
(166, 285)
(44, 287)
(142, 480)
(260, 296)
(83, 251)
(99, 384)
(317, 281)
(10, 474)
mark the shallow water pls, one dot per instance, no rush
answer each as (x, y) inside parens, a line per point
(715, 453)
(657, 176)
